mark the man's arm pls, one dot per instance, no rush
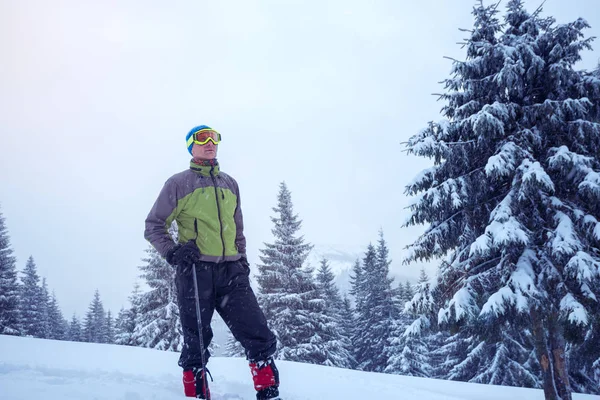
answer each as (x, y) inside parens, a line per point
(240, 239)
(160, 218)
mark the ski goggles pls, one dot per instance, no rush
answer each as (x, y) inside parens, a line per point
(203, 136)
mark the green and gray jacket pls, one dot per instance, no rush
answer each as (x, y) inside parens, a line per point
(205, 204)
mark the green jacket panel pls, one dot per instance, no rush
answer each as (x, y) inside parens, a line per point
(204, 203)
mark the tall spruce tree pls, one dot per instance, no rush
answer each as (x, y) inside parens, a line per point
(44, 322)
(9, 287)
(288, 293)
(57, 326)
(409, 346)
(364, 351)
(407, 292)
(94, 326)
(122, 322)
(286, 254)
(348, 328)
(339, 340)
(358, 286)
(378, 313)
(400, 296)
(358, 290)
(513, 199)
(326, 284)
(584, 356)
(157, 325)
(233, 348)
(126, 319)
(31, 302)
(110, 328)
(75, 333)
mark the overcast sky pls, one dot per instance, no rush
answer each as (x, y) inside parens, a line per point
(96, 98)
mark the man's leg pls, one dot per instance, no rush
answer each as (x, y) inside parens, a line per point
(191, 355)
(237, 305)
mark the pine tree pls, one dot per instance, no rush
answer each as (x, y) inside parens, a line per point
(409, 346)
(57, 326)
(122, 323)
(584, 355)
(339, 346)
(126, 320)
(233, 348)
(9, 288)
(400, 296)
(358, 287)
(31, 302)
(596, 369)
(358, 291)
(44, 322)
(347, 328)
(75, 333)
(286, 254)
(289, 295)
(157, 325)
(378, 313)
(513, 198)
(326, 284)
(408, 292)
(94, 326)
(110, 328)
(384, 282)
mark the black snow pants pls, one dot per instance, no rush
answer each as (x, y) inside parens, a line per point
(224, 287)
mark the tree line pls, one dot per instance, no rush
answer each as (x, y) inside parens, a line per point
(27, 308)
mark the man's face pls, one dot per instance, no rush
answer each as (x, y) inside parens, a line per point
(203, 152)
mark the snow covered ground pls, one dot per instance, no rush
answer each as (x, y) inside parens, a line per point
(53, 370)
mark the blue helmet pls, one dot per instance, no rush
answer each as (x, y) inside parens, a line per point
(189, 139)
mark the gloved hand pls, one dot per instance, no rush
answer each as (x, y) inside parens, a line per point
(184, 255)
(245, 264)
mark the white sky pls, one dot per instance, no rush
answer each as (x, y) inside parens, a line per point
(96, 99)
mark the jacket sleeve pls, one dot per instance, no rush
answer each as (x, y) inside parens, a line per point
(240, 239)
(162, 214)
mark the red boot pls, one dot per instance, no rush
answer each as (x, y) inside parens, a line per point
(266, 379)
(193, 383)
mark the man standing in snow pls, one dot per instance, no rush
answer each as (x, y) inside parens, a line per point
(205, 204)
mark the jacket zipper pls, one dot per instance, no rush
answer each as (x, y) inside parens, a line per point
(218, 209)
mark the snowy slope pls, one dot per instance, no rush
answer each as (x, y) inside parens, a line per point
(53, 370)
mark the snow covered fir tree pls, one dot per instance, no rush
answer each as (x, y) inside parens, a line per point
(512, 204)
(410, 343)
(9, 289)
(157, 323)
(57, 325)
(126, 319)
(376, 309)
(335, 309)
(74, 332)
(94, 326)
(290, 296)
(30, 295)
